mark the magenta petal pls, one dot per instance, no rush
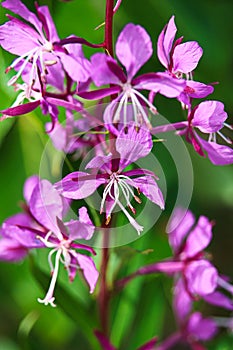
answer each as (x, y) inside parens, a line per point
(201, 277)
(102, 74)
(186, 57)
(11, 250)
(219, 299)
(100, 162)
(199, 238)
(161, 83)
(29, 186)
(48, 23)
(78, 185)
(133, 145)
(182, 301)
(218, 154)
(79, 230)
(19, 110)
(209, 116)
(79, 69)
(98, 94)
(179, 226)
(198, 90)
(46, 205)
(133, 48)
(148, 186)
(20, 9)
(165, 41)
(18, 38)
(201, 328)
(89, 270)
(25, 236)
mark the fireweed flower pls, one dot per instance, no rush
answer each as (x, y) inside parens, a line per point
(180, 60)
(133, 49)
(195, 275)
(209, 118)
(119, 183)
(41, 226)
(33, 41)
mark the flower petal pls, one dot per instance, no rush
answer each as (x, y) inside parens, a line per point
(79, 69)
(46, 205)
(19, 110)
(29, 186)
(89, 270)
(218, 154)
(48, 23)
(133, 144)
(102, 74)
(178, 227)
(133, 48)
(186, 57)
(161, 83)
(11, 250)
(201, 277)
(20, 9)
(201, 328)
(79, 230)
(78, 185)
(209, 116)
(165, 41)
(199, 238)
(182, 301)
(219, 299)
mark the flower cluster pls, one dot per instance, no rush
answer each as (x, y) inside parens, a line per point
(50, 72)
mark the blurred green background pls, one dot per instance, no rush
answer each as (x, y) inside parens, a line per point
(144, 309)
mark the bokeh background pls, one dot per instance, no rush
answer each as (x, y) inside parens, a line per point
(144, 309)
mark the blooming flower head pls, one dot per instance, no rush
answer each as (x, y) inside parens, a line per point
(119, 183)
(133, 49)
(41, 226)
(33, 40)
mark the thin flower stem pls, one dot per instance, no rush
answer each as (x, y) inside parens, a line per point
(108, 26)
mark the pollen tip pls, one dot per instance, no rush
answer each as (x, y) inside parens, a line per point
(108, 220)
(137, 199)
(8, 69)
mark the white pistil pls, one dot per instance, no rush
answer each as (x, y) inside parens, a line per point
(49, 298)
(116, 185)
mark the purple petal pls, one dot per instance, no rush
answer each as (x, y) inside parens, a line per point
(133, 145)
(29, 186)
(11, 250)
(78, 185)
(161, 83)
(89, 270)
(51, 31)
(98, 94)
(165, 41)
(148, 186)
(201, 277)
(84, 216)
(79, 230)
(20, 9)
(218, 154)
(186, 57)
(19, 110)
(100, 162)
(79, 69)
(179, 226)
(46, 205)
(182, 302)
(133, 48)
(198, 90)
(219, 299)
(18, 38)
(209, 116)
(102, 74)
(25, 236)
(199, 238)
(201, 328)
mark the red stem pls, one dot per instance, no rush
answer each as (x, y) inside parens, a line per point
(104, 295)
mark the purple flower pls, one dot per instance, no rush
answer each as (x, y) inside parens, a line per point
(41, 226)
(209, 118)
(195, 276)
(119, 184)
(33, 41)
(133, 49)
(180, 59)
